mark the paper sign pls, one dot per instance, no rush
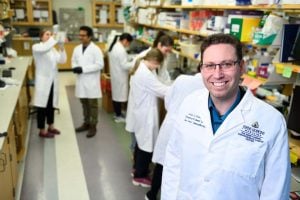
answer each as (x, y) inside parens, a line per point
(287, 72)
(251, 83)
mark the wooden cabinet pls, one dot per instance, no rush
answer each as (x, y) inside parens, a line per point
(5, 11)
(13, 124)
(23, 46)
(107, 14)
(6, 183)
(32, 13)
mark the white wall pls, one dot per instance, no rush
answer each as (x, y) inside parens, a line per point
(85, 4)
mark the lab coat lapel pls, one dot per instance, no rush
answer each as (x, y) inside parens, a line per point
(236, 117)
(203, 109)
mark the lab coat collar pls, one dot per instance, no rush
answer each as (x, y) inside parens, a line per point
(236, 117)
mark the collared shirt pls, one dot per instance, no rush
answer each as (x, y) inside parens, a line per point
(216, 118)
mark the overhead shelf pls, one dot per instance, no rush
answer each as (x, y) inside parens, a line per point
(175, 29)
(173, 50)
(224, 7)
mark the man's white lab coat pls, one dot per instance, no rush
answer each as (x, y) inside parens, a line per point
(247, 158)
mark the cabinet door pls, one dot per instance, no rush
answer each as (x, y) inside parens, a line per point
(107, 14)
(20, 8)
(6, 186)
(23, 47)
(29, 12)
(13, 153)
(4, 9)
(42, 12)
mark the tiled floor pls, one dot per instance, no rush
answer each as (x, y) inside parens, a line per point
(72, 166)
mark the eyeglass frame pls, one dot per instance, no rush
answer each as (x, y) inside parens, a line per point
(221, 66)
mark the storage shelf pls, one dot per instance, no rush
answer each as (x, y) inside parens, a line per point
(108, 25)
(280, 66)
(224, 7)
(173, 50)
(175, 29)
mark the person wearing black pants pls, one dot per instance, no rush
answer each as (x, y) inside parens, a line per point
(156, 182)
(44, 114)
(117, 108)
(46, 89)
(141, 167)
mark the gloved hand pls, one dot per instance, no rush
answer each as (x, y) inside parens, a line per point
(77, 70)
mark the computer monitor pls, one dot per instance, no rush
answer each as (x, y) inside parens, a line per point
(295, 53)
(289, 33)
(294, 114)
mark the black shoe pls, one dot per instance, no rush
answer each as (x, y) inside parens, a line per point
(83, 127)
(92, 131)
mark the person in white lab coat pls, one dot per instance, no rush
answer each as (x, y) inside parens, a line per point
(223, 144)
(180, 88)
(87, 61)
(119, 66)
(145, 89)
(165, 44)
(46, 58)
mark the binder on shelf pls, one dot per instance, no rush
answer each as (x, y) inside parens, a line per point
(243, 28)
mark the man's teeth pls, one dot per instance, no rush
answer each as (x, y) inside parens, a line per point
(219, 84)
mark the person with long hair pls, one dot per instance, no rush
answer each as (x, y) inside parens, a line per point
(145, 89)
(119, 66)
(164, 43)
(46, 58)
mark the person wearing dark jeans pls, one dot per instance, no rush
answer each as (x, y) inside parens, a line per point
(156, 182)
(117, 108)
(141, 167)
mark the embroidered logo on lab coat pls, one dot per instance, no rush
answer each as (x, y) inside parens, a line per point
(194, 119)
(255, 125)
(252, 134)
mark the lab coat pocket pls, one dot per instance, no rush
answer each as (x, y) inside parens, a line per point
(243, 160)
(183, 196)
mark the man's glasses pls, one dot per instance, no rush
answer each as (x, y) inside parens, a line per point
(224, 66)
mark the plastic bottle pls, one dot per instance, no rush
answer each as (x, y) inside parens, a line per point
(264, 61)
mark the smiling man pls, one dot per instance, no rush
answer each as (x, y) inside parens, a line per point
(226, 143)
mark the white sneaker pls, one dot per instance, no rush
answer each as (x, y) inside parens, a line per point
(120, 120)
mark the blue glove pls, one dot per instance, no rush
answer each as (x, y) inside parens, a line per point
(77, 70)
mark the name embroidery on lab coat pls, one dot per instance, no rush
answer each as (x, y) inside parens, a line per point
(194, 119)
(252, 134)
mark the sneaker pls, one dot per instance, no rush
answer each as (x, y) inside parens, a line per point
(132, 172)
(120, 120)
(144, 182)
(53, 131)
(46, 135)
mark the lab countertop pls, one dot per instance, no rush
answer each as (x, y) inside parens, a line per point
(10, 93)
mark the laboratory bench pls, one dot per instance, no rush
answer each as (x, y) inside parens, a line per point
(14, 104)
